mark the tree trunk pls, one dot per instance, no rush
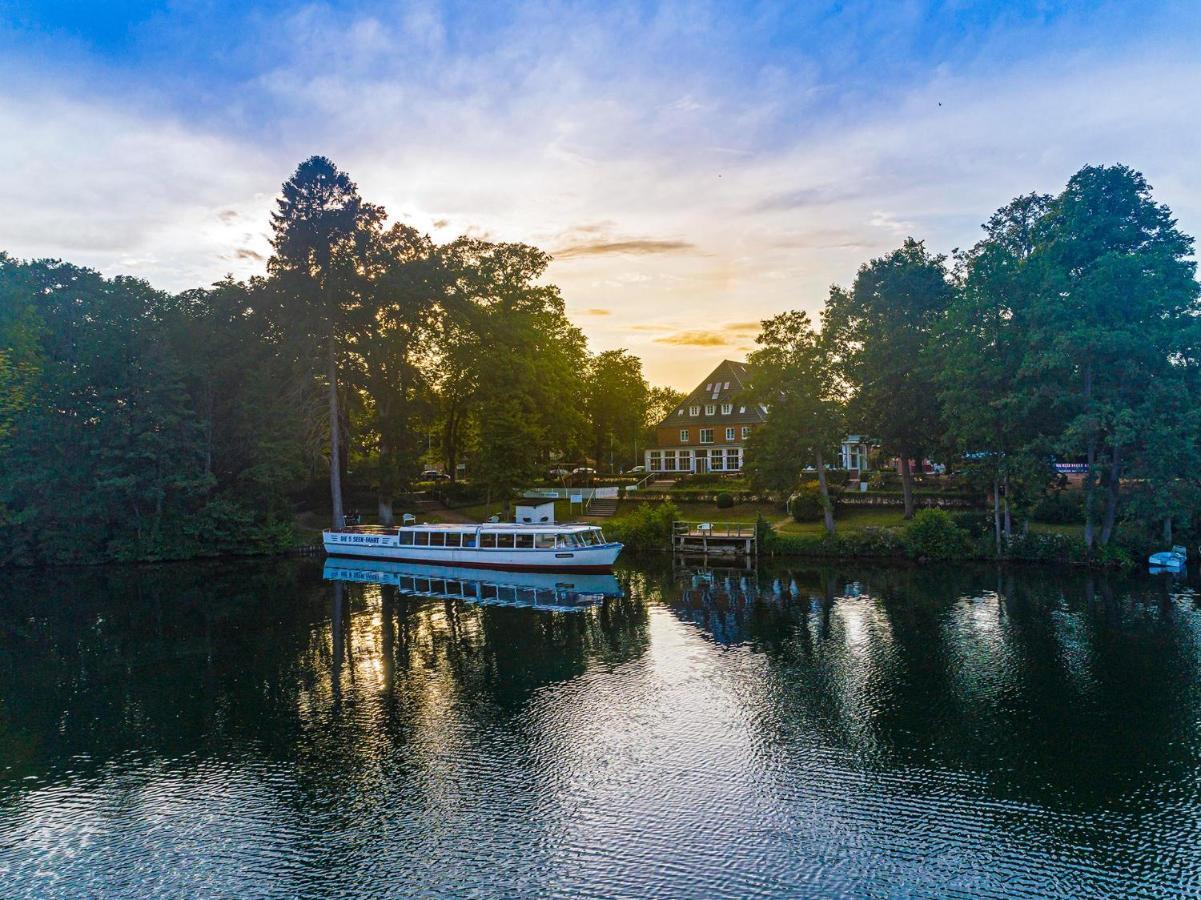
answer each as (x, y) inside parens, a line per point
(827, 506)
(996, 511)
(335, 435)
(1111, 504)
(384, 505)
(384, 497)
(1089, 477)
(1008, 516)
(1167, 530)
(907, 484)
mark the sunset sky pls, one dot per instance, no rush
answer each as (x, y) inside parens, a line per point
(693, 167)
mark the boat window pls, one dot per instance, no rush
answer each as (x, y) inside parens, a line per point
(469, 539)
(488, 539)
(504, 541)
(525, 542)
(454, 588)
(405, 538)
(437, 539)
(544, 541)
(454, 538)
(421, 538)
(487, 591)
(600, 535)
(562, 540)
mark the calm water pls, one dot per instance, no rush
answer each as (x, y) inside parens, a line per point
(253, 728)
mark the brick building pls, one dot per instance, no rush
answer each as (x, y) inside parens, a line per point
(708, 431)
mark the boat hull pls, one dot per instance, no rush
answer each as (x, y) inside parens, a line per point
(599, 558)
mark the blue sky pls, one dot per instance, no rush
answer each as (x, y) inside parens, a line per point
(694, 167)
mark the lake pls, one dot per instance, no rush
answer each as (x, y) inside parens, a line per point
(255, 727)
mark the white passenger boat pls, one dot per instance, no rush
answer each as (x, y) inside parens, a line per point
(562, 592)
(576, 548)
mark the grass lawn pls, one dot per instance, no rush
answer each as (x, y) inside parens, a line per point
(709, 512)
(849, 519)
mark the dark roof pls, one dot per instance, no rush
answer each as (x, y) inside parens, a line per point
(726, 384)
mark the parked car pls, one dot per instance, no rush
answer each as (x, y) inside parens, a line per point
(558, 473)
(637, 470)
(434, 475)
(583, 470)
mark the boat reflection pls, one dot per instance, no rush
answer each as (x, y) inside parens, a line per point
(561, 592)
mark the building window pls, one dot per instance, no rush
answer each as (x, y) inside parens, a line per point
(733, 459)
(683, 435)
(706, 435)
(656, 461)
(727, 408)
(669, 460)
(680, 411)
(742, 409)
(685, 460)
(710, 409)
(729, 434)
(708, 388)
(716, 461)
(746, 432)
(694, 410)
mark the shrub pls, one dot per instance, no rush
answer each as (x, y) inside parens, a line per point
(805, 505)
(933, 534)
(724, 500)
(1059, 508)
(975, 522)
(647, 527)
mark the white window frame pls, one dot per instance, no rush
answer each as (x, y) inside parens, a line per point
(727, 408)
(746, 432)
(694, 410)
(733, 459)
(717, 461)
(709, 432)
(683, 435)
(710, 409)
(730, 433)
(656, 461)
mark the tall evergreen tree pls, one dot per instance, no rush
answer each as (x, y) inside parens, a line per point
(324, 235)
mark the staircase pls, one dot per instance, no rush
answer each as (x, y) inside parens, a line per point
(662, 484)
(602, 508)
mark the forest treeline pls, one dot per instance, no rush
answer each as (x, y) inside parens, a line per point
(1070, 332)
(137, 424)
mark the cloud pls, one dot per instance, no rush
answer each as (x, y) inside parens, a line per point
(596, 311)
(696, 339)
(247, 253)
(633, 246)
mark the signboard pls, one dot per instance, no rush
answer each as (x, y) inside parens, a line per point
(577, 498)
(1071, 468)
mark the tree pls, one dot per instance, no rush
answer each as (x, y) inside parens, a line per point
(660, 403)
(793, 375)
(515, 361)
(881, 329)
(992, 413)
(323, 239)
(1114, 319)
(615, 398)
(393, 357)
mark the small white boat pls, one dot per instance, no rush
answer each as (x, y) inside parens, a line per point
(563, 592)
(576, 548)
(1176, 558)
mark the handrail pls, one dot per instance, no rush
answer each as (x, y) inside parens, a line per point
(714, 529)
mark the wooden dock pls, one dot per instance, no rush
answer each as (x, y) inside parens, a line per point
(714, 538)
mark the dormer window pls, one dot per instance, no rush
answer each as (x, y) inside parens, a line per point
(680, 411)
(727, 408)
(694, 410)
(710, 409)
